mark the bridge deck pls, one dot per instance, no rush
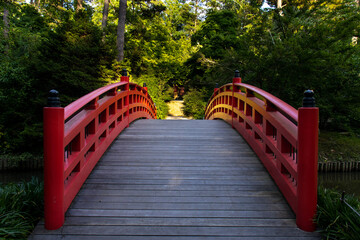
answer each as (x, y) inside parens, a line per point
(178, 180)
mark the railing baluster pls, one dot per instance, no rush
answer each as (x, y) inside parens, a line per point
(71, 138)
(284, 140)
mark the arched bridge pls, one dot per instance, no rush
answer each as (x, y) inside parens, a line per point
(196, 179)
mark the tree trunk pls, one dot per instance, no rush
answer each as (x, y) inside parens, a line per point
(121, 30)
(196, 11)
(6, 27)
(279, 4)
(78, 4)
(105, 17)
(6, 22)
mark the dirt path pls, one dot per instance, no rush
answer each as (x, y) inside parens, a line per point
(175, 110)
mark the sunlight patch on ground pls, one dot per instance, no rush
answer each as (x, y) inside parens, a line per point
(175, 110)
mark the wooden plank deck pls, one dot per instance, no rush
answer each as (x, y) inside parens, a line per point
(178, 180)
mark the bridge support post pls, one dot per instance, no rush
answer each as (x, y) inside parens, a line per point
(308, 121)
(53, 163)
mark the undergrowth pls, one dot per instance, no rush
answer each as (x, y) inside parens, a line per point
(335, 147)
(336, 220)
(21, 207)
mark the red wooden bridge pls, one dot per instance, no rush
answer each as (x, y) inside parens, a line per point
(196, 179)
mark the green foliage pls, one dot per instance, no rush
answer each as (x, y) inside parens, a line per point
(21, 207)
(157, 90)
(38, 56)
(53, 45)
(218, 34)
(195, 103)
(302, 46)
(334, 218)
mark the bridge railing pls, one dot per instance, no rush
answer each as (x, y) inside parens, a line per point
(75, 138)
(285, 140)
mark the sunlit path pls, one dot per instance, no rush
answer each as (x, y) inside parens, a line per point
(176, 110)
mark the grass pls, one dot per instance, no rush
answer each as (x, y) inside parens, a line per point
(21, 207)
(335, 147)
(334, 218)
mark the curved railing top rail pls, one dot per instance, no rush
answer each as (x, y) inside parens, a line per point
(281, 106)
(285, 109)
(84, 100)
(73, 107)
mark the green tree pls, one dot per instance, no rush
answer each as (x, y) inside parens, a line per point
(68, 56)
(303, 45)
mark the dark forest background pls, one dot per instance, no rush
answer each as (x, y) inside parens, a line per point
(73, 46)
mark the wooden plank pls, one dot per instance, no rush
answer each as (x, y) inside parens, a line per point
(180, 168)
(180, 206)
(234, 175)
(185, 231)
(148, 221)
(123, 199)
(97, 237)
(178, 180)
(192, 187)
(179, 163)
(165, 193)
(180, 213)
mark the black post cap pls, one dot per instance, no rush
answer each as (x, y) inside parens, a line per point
(144, 84)
(309, 100)
(124, 73)
(237, 73)
(53, 99)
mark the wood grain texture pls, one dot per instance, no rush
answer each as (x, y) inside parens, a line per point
(178, 180)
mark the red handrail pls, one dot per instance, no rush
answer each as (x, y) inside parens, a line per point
(75, 138)
(285, 140)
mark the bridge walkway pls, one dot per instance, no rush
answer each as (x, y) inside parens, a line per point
(178, 180)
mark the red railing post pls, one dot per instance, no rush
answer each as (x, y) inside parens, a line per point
(53, 163)
(125, 78)
(216, 87)
(307, 163)
(146, 89)
(236, 79)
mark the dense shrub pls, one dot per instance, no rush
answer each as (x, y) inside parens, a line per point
(195, 103)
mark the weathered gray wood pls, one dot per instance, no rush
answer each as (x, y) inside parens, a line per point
(192, 187)
(200, 193)
(179, 213)
(180, 206)
(219, 199)
(178, 180)
(183, 181)
(102, 237)
(189, 231)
